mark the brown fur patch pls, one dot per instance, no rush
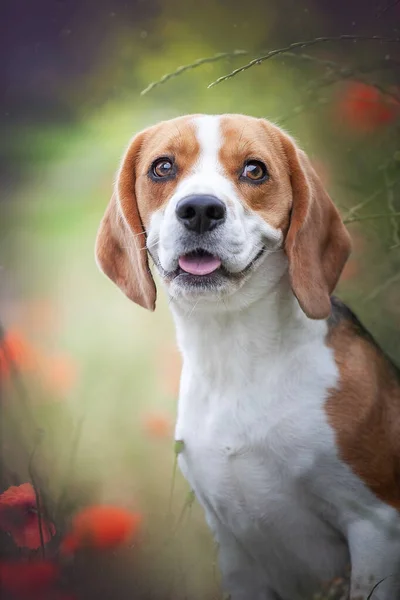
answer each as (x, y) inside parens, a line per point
(365, 410)
(247, 138)
(176, 139)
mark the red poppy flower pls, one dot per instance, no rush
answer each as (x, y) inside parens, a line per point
(364, 108)
(101, 527)
(29, 579)
(19, 517)
(59, 373)
(157, 425)
(14, 348)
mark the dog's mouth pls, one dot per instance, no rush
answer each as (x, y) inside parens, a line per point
(199, 263)
(203, 267)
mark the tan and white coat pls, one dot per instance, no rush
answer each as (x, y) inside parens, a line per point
(289, 411)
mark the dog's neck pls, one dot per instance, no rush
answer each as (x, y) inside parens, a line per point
(269, 322)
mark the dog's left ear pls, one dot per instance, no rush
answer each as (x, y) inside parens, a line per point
(317, 243)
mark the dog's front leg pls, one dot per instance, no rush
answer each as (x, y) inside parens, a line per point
(242, 577)
(375, 560)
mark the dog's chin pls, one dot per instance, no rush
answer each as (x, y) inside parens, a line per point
(211, 286)
(208, 287)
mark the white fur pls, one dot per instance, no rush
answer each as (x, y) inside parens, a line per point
(262, 459)
(259, 452)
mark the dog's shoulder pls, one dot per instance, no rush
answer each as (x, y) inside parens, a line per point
(364, 409)
(343, 321)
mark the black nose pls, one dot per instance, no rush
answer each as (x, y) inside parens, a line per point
(200, 213)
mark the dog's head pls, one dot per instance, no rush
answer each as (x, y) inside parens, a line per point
(210, 198)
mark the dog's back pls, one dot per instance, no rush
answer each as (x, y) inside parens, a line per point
(365, 409)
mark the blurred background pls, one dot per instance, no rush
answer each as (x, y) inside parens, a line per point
(89, 381)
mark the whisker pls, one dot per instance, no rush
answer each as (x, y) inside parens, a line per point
(147, 247)
(193, 308)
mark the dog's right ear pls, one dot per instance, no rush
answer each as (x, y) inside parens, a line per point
(121, 240)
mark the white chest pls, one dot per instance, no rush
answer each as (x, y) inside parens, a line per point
(256, 441)
(253, 439)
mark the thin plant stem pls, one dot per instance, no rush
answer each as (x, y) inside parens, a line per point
(362, 204)
(375, 587)
(332, 65)
(391, 207)
(172, 488)
(38, 440)
(71, 465)
(383, 10)
(186, 509)
(372, 217)
(340, 72)
(178, 447)
(383, 286)
(305, 44)
(194, 65)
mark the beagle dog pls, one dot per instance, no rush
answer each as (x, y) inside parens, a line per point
(289, 412)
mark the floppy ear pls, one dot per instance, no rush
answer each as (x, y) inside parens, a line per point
(317, 243)
(121, 240)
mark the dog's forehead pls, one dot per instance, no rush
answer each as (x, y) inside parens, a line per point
(189, 136)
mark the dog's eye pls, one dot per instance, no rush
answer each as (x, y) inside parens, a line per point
(162, 167)
(255, 170)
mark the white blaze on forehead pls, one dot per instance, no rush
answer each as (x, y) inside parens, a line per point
(207, 175)
(209, 137)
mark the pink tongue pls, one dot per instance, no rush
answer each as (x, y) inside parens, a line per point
(199, 265)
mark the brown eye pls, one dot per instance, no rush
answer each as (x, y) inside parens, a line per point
(255, 170)
(162, 167)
